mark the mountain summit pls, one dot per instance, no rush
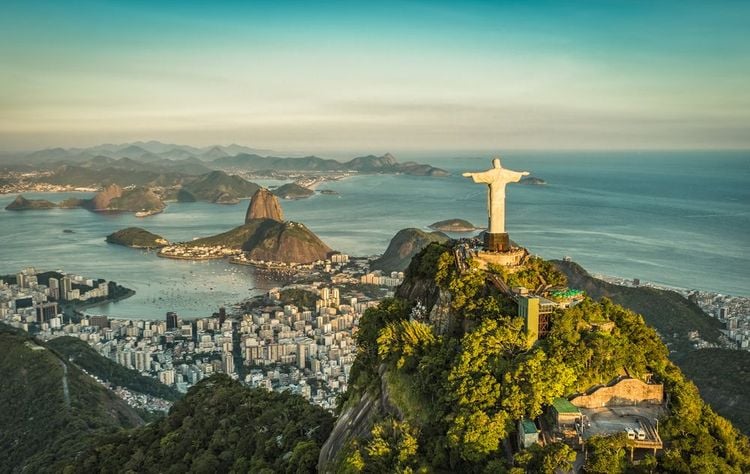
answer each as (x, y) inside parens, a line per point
(264, 205)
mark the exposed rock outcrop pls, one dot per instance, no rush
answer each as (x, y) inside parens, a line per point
(264, 205)
(135, 200)
(102, 199)
(356, 421)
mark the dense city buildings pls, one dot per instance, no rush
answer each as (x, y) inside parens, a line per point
(299, 337)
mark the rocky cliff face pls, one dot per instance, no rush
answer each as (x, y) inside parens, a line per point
(356, 421)
(405, 245)
(264, 205)
(102, 199)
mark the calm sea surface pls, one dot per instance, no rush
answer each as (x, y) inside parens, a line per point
(678, 219)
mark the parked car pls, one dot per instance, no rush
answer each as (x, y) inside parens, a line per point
(641, 434)
(630, 432)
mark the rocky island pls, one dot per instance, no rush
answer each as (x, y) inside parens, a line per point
(532, 180)
(293, 191)
(113, 198)
(137, 238)
(264, 238)
(264, 205)
(23, 204)
(454, 225)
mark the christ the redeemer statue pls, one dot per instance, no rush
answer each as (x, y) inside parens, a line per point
(496, 178)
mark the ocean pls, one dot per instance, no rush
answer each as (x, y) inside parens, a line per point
(679, 219)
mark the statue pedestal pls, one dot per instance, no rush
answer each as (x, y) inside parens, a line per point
(496, 242)
(512, 260)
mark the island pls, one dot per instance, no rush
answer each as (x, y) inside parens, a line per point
(265, 238)
(454, 225)
(137, 237)
(293, 191)
(23, 204)
(532, 180)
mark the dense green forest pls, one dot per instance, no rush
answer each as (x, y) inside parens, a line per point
(219, 426)
(718, 373)
(85, 357)
(50, 408)
(461, 390)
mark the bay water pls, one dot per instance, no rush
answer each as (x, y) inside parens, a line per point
(679, 219)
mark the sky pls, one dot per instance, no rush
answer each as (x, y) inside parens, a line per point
(377, 76)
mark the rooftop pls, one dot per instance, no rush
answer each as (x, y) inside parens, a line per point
(528, 426)
(563, 405)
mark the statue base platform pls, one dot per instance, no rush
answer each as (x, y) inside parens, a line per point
(497, 242)
(512, 260)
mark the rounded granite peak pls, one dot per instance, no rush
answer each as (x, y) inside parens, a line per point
(264, 205)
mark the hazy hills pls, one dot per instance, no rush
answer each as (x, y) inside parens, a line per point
(366, 164)
(217, 186)
(95, 163)
(143, 151)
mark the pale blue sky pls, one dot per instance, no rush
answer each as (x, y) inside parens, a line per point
(376, 76)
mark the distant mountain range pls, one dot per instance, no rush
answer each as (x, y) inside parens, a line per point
(154, 156)
(143, 151)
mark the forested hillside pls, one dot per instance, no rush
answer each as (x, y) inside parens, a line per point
(455, 394)
(219, 426)
(50, 408)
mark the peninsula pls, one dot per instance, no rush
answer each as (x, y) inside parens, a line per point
(264, 238)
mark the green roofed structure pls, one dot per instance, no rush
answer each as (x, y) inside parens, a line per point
(564, 412)
(568, 293)
(528, 434)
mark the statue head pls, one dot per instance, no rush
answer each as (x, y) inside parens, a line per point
(496, 162)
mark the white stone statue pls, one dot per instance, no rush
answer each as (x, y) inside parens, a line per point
(496, 178)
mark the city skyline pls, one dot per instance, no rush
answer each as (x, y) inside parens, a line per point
(398, 76)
